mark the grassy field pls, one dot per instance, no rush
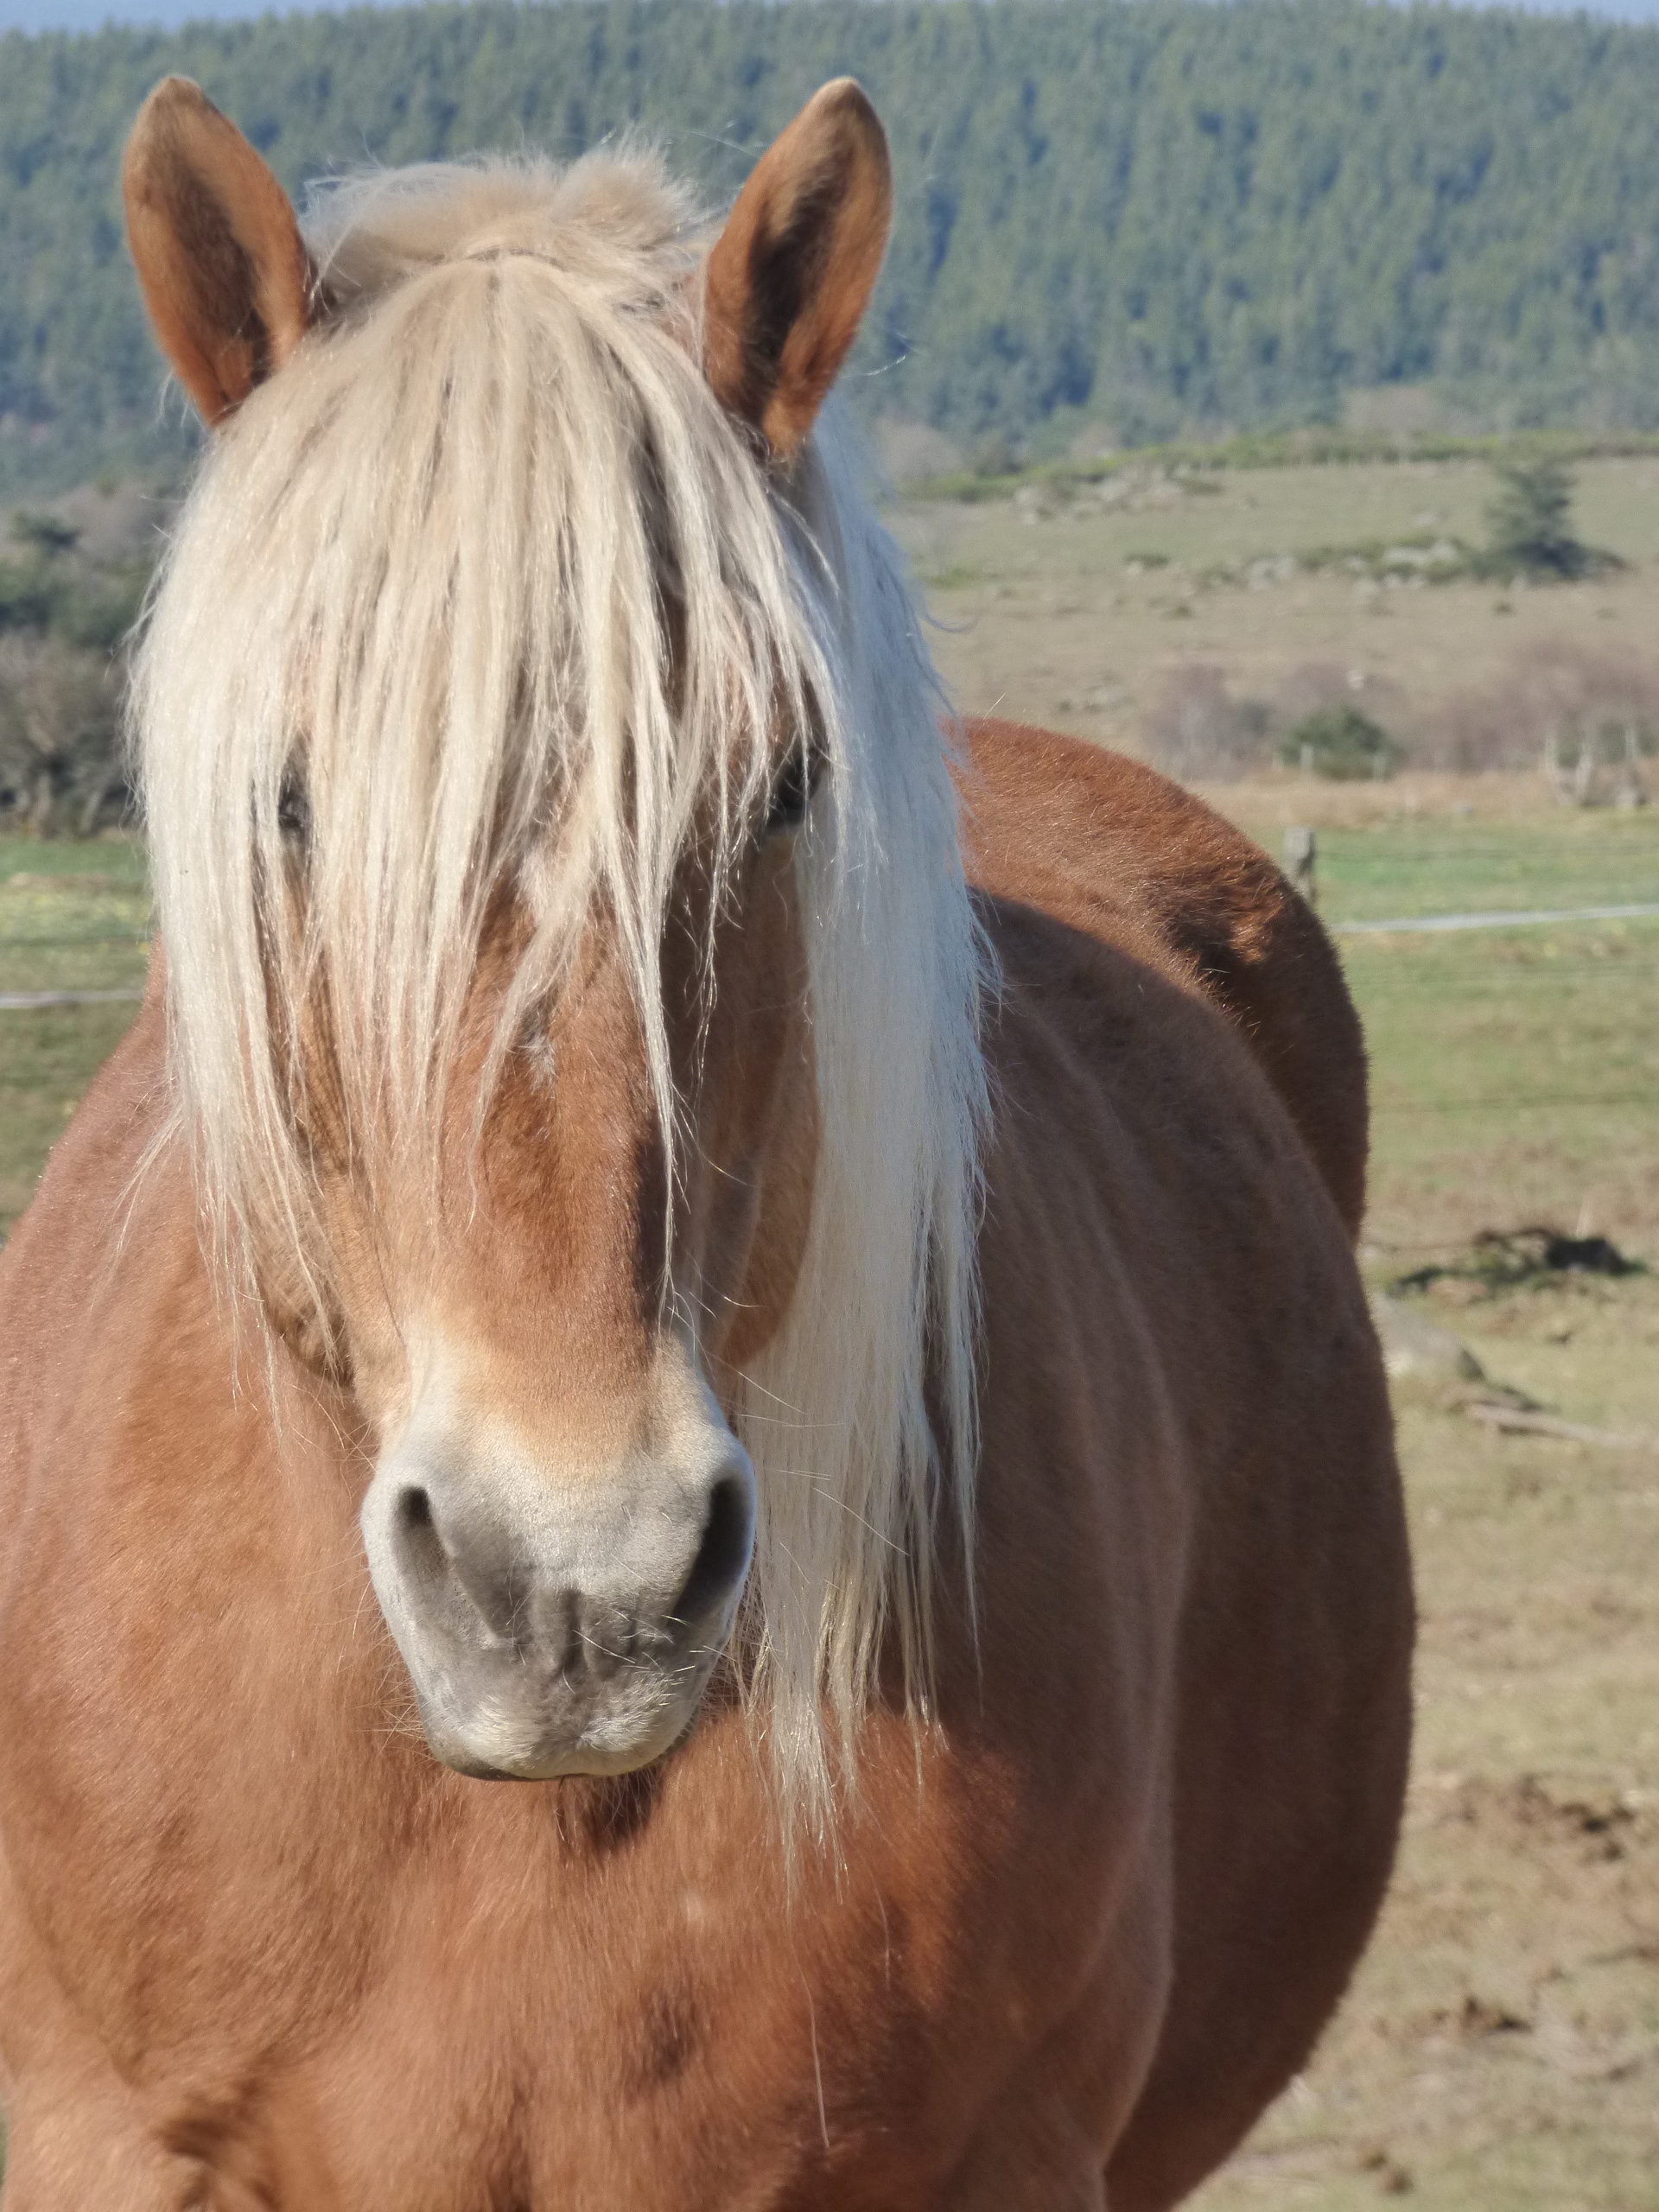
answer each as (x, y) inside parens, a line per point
(1500, 2050)
(1075, 614)
(1514, 1072)
(73, 917)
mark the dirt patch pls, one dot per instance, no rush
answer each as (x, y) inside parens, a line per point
(1511, 1259)
(1593, 1826)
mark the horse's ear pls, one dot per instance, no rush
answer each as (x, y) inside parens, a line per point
(223, 269)
(791, 273)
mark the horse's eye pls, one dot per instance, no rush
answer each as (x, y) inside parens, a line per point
(792, 792)
(293, 813)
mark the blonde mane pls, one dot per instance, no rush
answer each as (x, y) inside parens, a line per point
(429, 565)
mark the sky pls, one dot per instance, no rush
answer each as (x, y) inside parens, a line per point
(87, 15)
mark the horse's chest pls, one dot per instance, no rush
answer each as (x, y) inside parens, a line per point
(446, 1997)
(661, 2039)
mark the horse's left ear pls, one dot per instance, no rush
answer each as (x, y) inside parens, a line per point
(225, 272)
(791, 273)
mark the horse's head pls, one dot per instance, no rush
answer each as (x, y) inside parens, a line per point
(570, 964)
(546, 1326)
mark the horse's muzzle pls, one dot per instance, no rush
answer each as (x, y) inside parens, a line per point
(553, 1627)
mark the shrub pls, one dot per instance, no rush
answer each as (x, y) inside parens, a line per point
(64, 617)
(44, 534)
(1339, 741)
(60, 757)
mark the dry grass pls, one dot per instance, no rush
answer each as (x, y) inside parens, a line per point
(1045, 617)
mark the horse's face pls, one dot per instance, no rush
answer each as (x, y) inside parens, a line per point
(540, 1314)
(560, 1518)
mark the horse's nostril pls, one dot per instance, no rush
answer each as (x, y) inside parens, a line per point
(418, 1541)
(723, 1553)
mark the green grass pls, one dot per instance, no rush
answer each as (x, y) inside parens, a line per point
(73, 917)
(1408, 866)
(47, 1057)
(1515, 1078)
(1514, 1072)
(116, 858)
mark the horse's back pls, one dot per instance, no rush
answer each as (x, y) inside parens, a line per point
(1110, 848)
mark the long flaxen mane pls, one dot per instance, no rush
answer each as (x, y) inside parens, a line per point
(423, 579)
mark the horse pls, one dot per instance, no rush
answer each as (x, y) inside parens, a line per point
(698, 1507)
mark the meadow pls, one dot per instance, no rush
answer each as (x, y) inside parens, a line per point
(1500, 2049)
(1080, 607)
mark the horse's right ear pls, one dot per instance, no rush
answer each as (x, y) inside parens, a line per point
(791, 273)
(223, 269)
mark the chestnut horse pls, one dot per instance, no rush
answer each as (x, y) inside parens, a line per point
(698, 1507)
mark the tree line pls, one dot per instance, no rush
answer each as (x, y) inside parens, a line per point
(1140, 218)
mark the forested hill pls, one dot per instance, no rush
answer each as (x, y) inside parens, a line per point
(1147, 215)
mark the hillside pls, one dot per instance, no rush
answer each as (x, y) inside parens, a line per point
(1127, 218)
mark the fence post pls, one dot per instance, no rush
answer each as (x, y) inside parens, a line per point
(1301, 851)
